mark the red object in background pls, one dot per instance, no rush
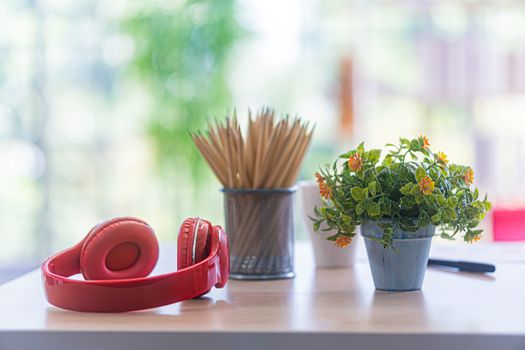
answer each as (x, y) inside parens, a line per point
(346, 96)
(508, 224)
(117, 255)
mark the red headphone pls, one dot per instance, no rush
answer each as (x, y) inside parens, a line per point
(117, 255)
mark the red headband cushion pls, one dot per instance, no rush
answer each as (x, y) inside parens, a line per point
(118, 249)
(186, 240)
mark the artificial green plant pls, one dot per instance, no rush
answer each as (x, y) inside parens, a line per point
(410, 188)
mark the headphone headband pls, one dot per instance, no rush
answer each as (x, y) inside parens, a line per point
(134, 293)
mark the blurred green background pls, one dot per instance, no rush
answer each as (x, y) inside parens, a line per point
(97, 98)
(181, 58)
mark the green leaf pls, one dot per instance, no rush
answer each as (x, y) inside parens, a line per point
(374, 155)
(445, 235)
(332, 238)
(361, 148)
(424, 219)
(385, 207)
(372, 188)
(415, 145)
(407, 224)
(360, 208)
(420, 198)
(451, 213)
(407, 202)
(420, 173)
(436, 219)
(358, 193)
(373, 209)
(407, 188)
(478, 205)
(452, 202)
(317, 224)
(433, 173)
(387, 161)
(415, 190)
(347, 154)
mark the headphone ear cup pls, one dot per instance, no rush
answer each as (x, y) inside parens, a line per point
(186, 240)
(202, 250)
(118, 249)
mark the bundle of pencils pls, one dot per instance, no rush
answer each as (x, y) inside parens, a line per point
(257, 170)
(268, 156)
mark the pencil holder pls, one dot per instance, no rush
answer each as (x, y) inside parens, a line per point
(260, 228)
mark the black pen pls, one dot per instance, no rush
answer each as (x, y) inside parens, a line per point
(466, 266)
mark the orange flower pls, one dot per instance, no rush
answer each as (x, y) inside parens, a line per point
(426, 185)
(324, 189)
(474, 239)
(355, 163)
(442, 158)
(469, 176)
(426, 143)
(343, 241)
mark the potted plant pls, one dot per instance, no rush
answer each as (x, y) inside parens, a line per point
(399, 201)
(326, 254)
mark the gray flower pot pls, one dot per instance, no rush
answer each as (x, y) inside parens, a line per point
(401, 268)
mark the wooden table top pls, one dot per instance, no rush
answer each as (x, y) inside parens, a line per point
(334, 301)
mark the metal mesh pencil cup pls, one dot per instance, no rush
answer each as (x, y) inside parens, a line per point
(260, 228)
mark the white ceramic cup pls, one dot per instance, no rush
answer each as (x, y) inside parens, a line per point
(326, 253)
